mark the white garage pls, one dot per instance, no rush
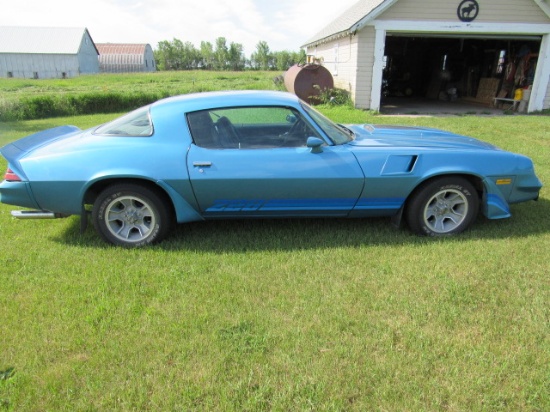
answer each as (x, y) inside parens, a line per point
(468, 50)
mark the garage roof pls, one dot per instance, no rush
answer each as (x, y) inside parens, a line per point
(42, 40)
(345, 23)
(364, 11)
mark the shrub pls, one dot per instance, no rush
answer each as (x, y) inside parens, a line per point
(40, 107)
(334, 96)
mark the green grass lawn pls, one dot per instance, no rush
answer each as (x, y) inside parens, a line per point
(283, 315)
(171, 81)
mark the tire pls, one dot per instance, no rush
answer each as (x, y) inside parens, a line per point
(443, 206)
(131, 215)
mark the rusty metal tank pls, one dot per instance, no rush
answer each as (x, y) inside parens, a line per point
(307, 81)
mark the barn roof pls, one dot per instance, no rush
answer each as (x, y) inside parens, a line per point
(118, 48)
(42, 40)
(346, 23)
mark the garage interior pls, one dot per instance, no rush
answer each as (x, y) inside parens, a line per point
(455, 73)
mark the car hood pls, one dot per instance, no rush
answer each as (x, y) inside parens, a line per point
(369, 135)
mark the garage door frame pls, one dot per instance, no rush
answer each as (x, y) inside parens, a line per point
(542, 74)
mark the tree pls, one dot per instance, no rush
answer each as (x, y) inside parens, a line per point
(177, 55)
(236, 56)
(262, 58)
(190, 58)
(163, 55)
(285, 59)
(221, 54)
(177, 47)
(207, 55)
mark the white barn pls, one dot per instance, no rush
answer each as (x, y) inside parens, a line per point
(480, 49)
(44, 53)
(125, 58)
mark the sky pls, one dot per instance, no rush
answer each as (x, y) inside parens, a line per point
(283, 24)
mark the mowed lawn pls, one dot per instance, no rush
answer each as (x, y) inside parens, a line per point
(283, 315)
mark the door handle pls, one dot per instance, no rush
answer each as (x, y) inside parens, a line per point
(202, 164)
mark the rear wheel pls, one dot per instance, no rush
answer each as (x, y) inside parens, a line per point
(443, 206)
(131, 215)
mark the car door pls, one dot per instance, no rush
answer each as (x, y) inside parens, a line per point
(272, 173)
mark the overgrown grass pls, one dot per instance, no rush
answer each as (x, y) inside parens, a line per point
(27, 99)
(284, 315)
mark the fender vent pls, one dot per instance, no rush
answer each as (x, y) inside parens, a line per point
(399, 164)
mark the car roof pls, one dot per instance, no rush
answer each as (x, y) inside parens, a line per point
(207, 100)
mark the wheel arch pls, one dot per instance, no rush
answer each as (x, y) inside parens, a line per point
(179, 208)
(443, 205)
(475, 180)
(93, 190)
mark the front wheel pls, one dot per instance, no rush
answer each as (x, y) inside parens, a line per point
(130, 215)
(443, 206)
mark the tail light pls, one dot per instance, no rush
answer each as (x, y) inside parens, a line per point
(10, 176)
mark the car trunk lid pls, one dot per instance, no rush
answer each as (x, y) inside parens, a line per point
(34, 141)
(15, 151)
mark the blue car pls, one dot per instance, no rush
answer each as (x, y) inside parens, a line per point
(257, 154)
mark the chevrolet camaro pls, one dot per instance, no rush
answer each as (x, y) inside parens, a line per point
(257, 154)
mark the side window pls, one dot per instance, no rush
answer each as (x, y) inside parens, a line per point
(249, 128)
(134, 124)
(202, 129)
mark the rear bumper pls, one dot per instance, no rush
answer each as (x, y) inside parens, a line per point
(17, 193)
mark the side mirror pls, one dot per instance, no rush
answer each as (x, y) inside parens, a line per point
(315, 144)
(291, 119)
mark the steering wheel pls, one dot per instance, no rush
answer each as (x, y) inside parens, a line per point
(298, 133)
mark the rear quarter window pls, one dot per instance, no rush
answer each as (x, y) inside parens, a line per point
(136, 123)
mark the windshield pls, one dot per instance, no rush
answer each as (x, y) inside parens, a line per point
(136, 123)
(338, 134)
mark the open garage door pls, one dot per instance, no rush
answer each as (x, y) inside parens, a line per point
(453, 68)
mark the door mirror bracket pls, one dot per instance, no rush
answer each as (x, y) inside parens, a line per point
(315, 144)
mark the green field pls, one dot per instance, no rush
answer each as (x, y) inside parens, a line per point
(172, 82)
(281, 315)
(28, 99)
